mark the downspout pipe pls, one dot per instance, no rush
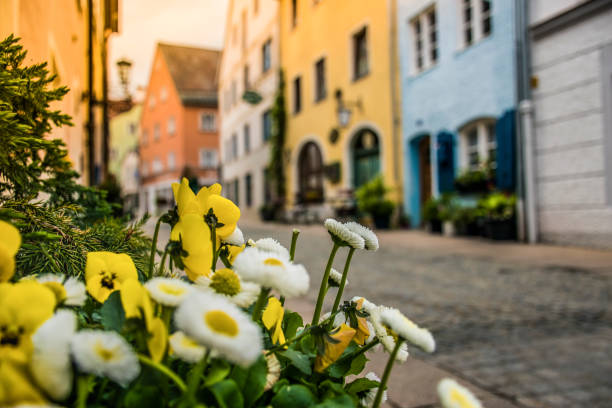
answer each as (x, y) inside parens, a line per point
(90, 97)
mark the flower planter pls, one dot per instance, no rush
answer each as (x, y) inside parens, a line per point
(434, 226)
(500, 230)
(382, 221)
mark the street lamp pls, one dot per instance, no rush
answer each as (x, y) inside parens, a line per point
(124, 65)
(342, 111)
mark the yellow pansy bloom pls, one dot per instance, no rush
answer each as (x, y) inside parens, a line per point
(194, 234)
(272, 319)
(233, 252)
(10, 241)
(17, 386)
(137, 304)
(363, 332)
(343, 335)
(105, 272)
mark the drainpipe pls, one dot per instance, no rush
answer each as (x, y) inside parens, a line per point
(526, 111)
(90, 96)
(393, 82)
(105, 118)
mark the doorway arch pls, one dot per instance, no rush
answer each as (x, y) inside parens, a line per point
(365, 156)
(310, 174)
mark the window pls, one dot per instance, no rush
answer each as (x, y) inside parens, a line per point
(163, 94)
(156, 132)
(228, 150)
(145, 137)
(247, 139)
(152, 102)
(207, 158)
(320, 86)
(157, 166)
(476, 20)
(360, 54)
(294, 14)
(248, 188)
(234, 93)
(171, 161)
(237, 192)
(234, 146)
(266, 53)
(171, 126)
(479, 145)
(208, 122)
(132, 128)
(244, 30)
(297, 95)
(425, 34)
(245, 76)
(267, 125)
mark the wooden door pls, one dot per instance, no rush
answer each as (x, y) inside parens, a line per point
(425, 169)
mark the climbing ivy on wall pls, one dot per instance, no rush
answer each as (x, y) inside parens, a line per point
(277, 140)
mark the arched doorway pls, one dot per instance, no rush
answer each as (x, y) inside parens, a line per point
(419, 177)
(310, 165)
(366, 157)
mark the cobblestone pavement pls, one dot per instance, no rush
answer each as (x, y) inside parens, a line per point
(539, 336)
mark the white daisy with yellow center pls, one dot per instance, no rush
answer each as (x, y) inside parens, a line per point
(215, 323)
(271, 245)
(106, 354)
(272, 271)
(369, 237)
(226, 282)
(340, 231)
(186, 348)
(370, 396)
(51, 365)
(454, 395)
(168, 291)
(407, 330)
(68, 291)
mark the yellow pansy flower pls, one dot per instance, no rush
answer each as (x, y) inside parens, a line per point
(16, 385)
(343, 336)
(194, 235)
(137, 304)
(363, 332)
(105, 272)
(10, 241)
(233, 252)
(272, 319)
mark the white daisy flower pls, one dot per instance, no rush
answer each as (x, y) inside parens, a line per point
(340, 231)
(235, 238)
(406, 329)
(271, 245)
(168, 291)
(272, 271)
(50, 364)
(370, 238)
(250, 242)
(454, 395)
(370, 396)
(105, 353)
(215, 323)
(70, 291)
(186, 348)
(274, 369)
(336, 277)
(227, 283)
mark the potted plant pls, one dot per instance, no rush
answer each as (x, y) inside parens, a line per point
(371, 199)
(431, 216)
(499, 212)
(481, 180)
(465, 220)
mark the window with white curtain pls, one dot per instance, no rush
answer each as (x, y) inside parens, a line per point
(476, 21)
(478, 144)
(425, 40)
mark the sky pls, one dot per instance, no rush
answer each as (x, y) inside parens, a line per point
(143, 23)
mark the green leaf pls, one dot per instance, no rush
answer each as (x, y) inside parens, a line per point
(361, 384)
(144, 397)
(308, 346)
(251, 381)
(227, 394)
(340, 401)
(291, 322)
(298, 360)
(293, 396)
(218, 370)
(357, 365)
(113, 316)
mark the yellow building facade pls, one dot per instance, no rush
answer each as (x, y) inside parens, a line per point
(340, 63)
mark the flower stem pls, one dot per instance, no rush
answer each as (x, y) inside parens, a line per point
(162, 264)
(386, 374)
(213, 237)
(299, 336)
(195, 375)
(359, 352)
(154, 247)
(164, 370)
(343, 281)
(322, 289)
(294, 238)
(82, 391)
(260, 304)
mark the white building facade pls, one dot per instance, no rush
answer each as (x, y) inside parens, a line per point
(571, 71)
(248, 79)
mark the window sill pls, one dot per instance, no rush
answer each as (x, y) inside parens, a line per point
(319, 100)
(465, 48)
(424, 71)
(360, 77)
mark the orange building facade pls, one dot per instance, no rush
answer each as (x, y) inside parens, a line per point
(179, 122)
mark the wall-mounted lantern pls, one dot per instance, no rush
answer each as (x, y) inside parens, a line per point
(343, 110)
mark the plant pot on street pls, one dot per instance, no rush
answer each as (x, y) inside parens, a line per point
(434, 226)
(448, 228)
(500, 230)
(382, 221)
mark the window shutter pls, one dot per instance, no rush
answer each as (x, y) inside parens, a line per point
(446, 161)
(505, 132)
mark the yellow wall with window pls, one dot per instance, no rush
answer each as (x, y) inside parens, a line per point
(326, 29)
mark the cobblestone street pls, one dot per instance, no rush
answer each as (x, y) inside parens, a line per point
(537, 335)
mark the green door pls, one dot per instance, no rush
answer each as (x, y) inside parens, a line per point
(366, 157)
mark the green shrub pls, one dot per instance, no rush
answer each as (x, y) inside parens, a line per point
(371, 198)
(497, 206)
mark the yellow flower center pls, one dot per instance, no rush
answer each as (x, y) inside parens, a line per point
(458, 397)
(226, 282)
(273, 262)
(104, 353)
(222, 323)
(171, 289)
(188, 343)
(58, 290)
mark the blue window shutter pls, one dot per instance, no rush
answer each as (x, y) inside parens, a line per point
(505, 133)
(446, 162)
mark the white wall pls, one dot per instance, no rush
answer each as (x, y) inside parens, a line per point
(572, 169)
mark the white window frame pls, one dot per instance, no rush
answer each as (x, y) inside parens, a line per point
(477, 22)
(157, 166)
(208, 158)
(171, 161)
(209, 117)
(425, 37)
(482, 127)
(171, 126)
(156, 132)
(163, 94)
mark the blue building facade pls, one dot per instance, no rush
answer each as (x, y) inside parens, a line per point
(458, 83)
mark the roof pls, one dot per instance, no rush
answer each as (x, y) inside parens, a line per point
(194, 72)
